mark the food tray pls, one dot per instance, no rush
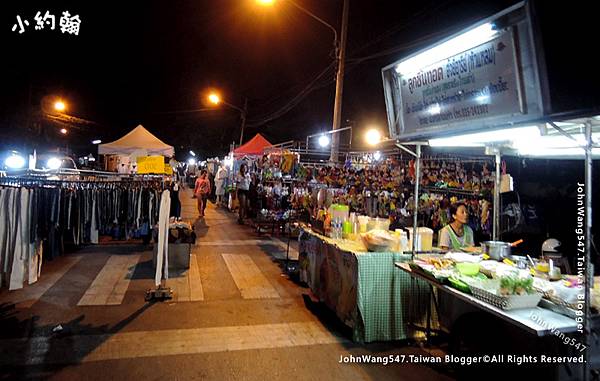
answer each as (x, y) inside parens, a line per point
(511, 302)
(459, 285)
(558, 308)
(418, 269)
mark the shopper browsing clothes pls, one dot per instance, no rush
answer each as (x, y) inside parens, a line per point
(202, 191)
(457, 234)
(243, 186)
(220, 184)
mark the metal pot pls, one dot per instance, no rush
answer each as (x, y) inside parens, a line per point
(519, 260)
(497, 250)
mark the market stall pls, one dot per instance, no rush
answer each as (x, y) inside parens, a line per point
(121, 155)
(251, 154)
(361, 287)
(275, 186)
(503, 108)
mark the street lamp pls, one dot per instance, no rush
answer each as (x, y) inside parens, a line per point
(14, 161)
(60, 106)
(63, 131)
(54, 163)
(340, 56)
(323, 141)
(373, 137)
(215, 99)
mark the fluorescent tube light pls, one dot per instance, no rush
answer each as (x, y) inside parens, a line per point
(458, 44)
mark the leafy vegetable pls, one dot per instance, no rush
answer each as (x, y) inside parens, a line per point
(512, 285)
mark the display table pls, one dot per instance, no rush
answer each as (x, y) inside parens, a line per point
(519, 317)
(364, 288)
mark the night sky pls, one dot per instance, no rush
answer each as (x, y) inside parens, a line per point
(137, 62)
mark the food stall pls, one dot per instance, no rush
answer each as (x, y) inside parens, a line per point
(347, 204)
(360, 286)
(485, 87)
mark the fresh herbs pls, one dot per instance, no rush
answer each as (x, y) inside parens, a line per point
(514, 285)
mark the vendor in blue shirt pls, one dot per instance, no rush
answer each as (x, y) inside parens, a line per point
(457, 235)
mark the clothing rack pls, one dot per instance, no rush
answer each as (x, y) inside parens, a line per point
(16, 181)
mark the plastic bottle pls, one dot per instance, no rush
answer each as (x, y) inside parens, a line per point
(337, 229)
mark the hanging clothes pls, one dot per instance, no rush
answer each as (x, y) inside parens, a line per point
(162, 258)
(38, 217)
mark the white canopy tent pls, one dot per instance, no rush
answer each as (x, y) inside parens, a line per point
(139, 139)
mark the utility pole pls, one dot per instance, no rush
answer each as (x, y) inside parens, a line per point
(244, 111)
(339, 85)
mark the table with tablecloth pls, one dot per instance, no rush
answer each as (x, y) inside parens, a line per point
(366, 291)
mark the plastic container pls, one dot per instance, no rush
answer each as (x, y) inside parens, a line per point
(424, 240)
(363, 223)
(466, 268)
(403, 240)
(339, 211)
(346, 229)
(382, 223)
(396, 245)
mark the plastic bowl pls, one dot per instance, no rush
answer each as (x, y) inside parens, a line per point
(466, 268)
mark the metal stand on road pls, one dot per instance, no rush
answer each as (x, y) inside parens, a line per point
(161, 293)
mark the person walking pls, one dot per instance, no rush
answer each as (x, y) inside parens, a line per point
(181, 174)
(202, 191)
(243, 186)
(220, 184)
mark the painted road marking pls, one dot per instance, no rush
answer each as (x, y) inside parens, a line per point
(248, 278)
(88, 348)
(111, 283)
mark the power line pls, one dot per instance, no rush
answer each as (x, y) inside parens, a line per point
(292, 103)
(352, 63)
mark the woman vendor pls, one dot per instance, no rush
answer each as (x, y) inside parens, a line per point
(457, 234)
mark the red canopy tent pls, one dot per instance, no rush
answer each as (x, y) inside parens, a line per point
(254, 147)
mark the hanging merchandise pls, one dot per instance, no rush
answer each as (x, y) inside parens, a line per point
(384, 189)
(39, 217)
(506, 180)
(162, 258)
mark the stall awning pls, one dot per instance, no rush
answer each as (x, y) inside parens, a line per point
(255, 146)
(139, 139)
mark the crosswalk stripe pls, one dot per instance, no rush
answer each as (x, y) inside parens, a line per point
(248, 278)
(111, 283)
(188, 288)
(89, 348)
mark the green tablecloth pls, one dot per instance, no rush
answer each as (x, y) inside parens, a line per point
(365, 289)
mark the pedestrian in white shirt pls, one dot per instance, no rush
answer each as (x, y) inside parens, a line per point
(243, 186)
(220, 184)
